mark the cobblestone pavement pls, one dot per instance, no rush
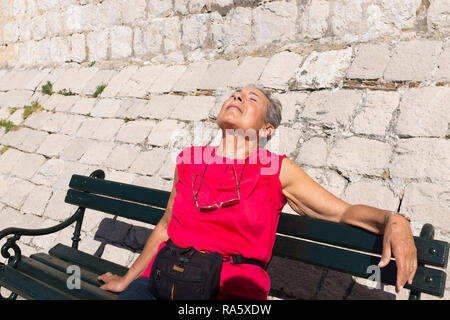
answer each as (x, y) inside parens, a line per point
(381, 142)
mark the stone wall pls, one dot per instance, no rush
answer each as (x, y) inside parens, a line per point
(49, 32)
(364, 87)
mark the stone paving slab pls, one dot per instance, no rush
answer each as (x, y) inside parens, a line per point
(122, 157)
(131, 108)
(218, 74)
(74, 150)
(17, 80)
(51, 77)
(15, 98)
(72, 125)
(49, 172)
(53, 145)
(84, 106)
(107, 129)
(101, 77)
(248, 72)
(116, 82)
(193, 108)
(164, 132)
(97, 153)
(160, 107)
(15, 138)
(167, 79)
(37, 200)
(106, 108)
(27, 165)
(33, 82)
(74, 79)
(149, 162)
(17, 116)
(140, 82)
(88, 127)
(54, 122)
(190, 80)
(15, 192)
(134, 131)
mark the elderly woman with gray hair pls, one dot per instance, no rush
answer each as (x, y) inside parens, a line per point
(223, 212)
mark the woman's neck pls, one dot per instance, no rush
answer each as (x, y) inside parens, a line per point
(236, 146)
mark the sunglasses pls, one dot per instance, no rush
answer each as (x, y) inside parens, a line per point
(223, 204)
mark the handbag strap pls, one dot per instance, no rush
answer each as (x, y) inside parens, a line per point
(238, 259)
(233, 259)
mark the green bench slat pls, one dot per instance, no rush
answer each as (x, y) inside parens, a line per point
(61, 265)
(123, 191)
(432, 252)
(58, 280)
(356, 264)
(116, 207)
(82, 259)
(29, 287)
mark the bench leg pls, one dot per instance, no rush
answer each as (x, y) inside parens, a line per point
(12, 260)
(12, 296)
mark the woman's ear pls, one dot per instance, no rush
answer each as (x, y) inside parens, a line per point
(268, 130)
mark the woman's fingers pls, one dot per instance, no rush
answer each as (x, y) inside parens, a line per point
(105, 277)
(386, 255)
(413, 266)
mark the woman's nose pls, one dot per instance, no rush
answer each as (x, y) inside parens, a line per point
(238, 97)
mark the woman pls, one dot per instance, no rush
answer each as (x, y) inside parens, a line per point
(243, 189)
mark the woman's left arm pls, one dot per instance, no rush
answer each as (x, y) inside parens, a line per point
(306, 196)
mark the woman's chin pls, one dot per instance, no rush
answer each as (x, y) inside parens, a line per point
(227, 122)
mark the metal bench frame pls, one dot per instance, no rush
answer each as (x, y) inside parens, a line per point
(330, 245)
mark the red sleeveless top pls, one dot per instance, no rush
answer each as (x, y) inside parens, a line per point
(247, 228)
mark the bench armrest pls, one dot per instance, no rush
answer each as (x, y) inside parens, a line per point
(18, 232)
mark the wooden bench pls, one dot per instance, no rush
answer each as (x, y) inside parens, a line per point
(335, 246)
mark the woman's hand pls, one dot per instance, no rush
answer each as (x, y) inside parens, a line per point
(113, 282)
(398, 241)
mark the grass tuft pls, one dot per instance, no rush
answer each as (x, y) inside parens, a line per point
(8, 125)
(3, 150)
(64, 92)
(28, 110)
(99, 90)
(48, 88)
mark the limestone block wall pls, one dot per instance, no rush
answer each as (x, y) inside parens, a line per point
(47, 32)
(364, 86)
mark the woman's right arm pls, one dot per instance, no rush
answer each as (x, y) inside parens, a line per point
(159, 234)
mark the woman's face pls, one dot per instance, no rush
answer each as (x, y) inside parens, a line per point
(245, 109)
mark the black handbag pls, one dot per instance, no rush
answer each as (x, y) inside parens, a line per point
(188, 274)
(185, 274)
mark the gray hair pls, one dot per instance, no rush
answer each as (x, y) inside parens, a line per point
(274, 107)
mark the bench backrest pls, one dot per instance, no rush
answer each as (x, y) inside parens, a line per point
(331, 245)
